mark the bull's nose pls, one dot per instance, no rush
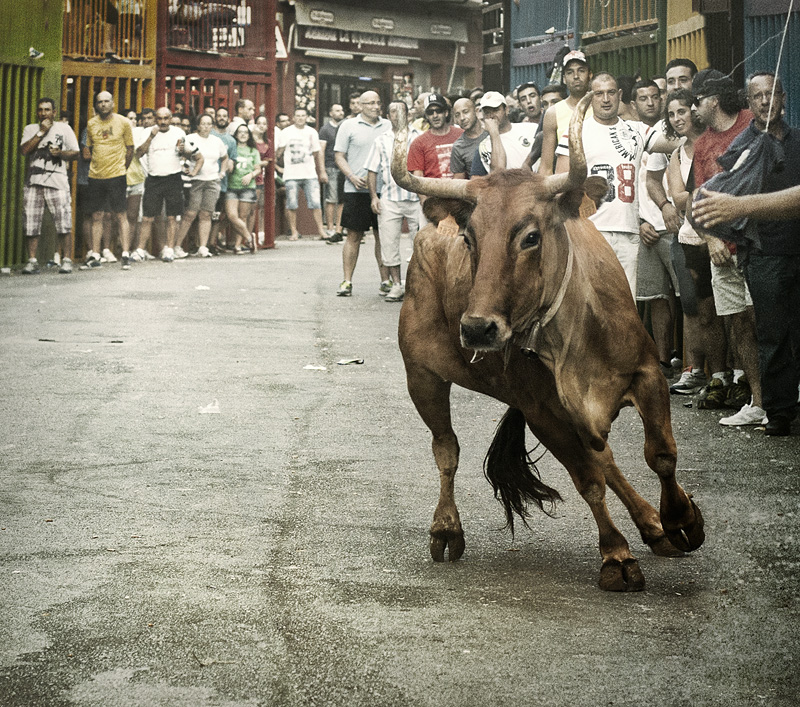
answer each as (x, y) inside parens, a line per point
(479, 333)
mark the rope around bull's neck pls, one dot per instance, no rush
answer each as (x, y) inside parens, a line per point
(537, 322)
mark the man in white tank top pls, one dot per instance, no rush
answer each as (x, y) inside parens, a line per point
(613, 150)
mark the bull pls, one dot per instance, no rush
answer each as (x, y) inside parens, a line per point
(529, 305)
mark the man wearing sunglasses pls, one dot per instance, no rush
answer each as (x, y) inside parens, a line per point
(429, 154)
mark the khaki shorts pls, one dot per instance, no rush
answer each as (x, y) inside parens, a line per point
(203, 195)
(731, 294)
(626, 247)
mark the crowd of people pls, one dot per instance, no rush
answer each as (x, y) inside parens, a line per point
(657, 142)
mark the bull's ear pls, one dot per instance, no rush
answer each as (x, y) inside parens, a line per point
(596, 189)
(570, 202)
(437, 209)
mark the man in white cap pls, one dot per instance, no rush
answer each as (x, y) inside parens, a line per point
(508, 144)
(577, 77)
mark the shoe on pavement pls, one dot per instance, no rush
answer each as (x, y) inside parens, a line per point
(385, 287)
(180, 253)
(66, 267)
(748, 415)
(92, 261)
(203, 252)
(335, 238)
(144, 255)
(778, 427)
(345, 289)
(31, 267)
(167, 255)
(126, 261)
(396, 293)
(135, 257)
(689, 383)
(714, 395)
(109, 256)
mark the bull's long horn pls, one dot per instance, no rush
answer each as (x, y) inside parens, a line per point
(446, 188)
(576, 176)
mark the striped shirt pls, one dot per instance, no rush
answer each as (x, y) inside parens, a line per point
(380, 162)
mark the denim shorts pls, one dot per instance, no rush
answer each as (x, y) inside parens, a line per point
(246, 195)
(311, 189)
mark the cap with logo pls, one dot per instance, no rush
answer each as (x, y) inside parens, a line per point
(436, 99)
(492, 99)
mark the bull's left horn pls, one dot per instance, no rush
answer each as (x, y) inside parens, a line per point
(445, 188)
(556, 183)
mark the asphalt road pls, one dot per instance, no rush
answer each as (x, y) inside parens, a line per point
(276, 553)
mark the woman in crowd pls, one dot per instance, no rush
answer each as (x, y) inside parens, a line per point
(256, 222)
(690, 254)
(204, 184)
(240, 198)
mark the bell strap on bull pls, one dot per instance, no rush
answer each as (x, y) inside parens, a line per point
(538, 321)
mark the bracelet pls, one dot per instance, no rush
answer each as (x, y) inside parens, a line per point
(663, 204)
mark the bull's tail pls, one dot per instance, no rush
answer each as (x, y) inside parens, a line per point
(513, 474)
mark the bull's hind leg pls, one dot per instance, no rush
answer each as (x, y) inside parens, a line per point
(680, 517)
(431, 396)
(620, 571)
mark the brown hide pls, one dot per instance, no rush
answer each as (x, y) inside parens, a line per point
(594, 343)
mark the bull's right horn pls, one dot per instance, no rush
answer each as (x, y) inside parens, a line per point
(445, 188)
(556, 183)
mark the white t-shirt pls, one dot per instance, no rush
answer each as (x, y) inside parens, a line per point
(298, 159)
(46, 170)
(655, 162)
(213, 150)
(517, 143)
(614, 152)
(162, 158)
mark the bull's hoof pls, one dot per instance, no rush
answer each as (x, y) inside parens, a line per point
(453, 542)
(626, 576)
(690, 536)
(664, 548)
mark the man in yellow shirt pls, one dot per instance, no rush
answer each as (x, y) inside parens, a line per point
(109, 146)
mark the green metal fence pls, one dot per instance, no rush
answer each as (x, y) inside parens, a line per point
(20, 89)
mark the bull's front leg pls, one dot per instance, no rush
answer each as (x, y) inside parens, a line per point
(680, 516)
(446, 531)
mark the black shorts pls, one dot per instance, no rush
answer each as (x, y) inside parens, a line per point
(107, 195)
(166, 190)
(357, 212)
(699, 262)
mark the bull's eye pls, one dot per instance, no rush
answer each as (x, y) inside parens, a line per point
(531, 239)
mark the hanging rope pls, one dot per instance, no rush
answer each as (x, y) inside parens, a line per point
(778, 65)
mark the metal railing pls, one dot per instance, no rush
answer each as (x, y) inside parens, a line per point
(108, 30)
(223, 27)
(608, 17)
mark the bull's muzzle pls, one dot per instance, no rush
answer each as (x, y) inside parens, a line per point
(483, 333)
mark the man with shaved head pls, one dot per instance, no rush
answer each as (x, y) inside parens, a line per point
(109, 149)
(165, 147)
(464, 149)
(353, 144)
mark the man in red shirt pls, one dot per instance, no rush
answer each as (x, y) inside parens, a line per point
(429, 154)
(718, 106)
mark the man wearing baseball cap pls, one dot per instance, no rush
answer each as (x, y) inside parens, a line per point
(507, 144)
(429, 154)
(577, 77)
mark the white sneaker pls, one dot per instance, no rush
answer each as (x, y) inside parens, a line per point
(180, 253)
(395, 294)
(108, 256)
(144, 255)
(204, 252)
(167, 255)
(748, 415)
(135, 257)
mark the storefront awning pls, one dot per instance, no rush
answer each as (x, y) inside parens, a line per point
(369, 25)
